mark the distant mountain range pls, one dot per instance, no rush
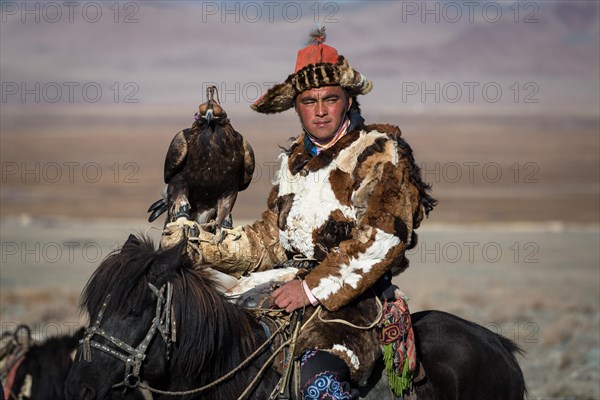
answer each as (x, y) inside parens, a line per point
(175, 49)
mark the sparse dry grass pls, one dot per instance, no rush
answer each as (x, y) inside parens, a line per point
(551, 308)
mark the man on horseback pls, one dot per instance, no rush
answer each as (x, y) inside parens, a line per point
(344, 209)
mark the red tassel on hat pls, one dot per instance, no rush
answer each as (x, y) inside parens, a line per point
(316, 52)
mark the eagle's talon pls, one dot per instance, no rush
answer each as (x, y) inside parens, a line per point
(227, 222)
(189, 228)
(219, 236)
(193, 231)
(209, 226)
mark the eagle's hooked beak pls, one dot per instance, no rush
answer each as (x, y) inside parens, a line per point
(209, 115)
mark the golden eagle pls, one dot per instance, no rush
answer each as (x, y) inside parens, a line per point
(205, 168)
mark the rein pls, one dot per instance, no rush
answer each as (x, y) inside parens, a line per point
(231, 373)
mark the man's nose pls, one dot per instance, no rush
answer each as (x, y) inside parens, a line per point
(321, 110)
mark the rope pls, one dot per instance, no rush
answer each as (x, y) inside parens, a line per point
(344, 322)
(227, 375)
(263, 368)
(311, 317)
(150, 228)
(286, 375)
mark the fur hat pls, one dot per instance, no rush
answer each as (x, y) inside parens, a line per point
(317, 65)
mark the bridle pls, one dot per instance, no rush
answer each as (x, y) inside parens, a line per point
(163, 322)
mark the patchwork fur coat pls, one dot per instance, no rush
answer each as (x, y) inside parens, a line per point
(354, 208)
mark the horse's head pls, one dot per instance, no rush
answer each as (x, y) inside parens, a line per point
(129, 303)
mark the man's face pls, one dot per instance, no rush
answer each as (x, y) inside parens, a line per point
(321, 110)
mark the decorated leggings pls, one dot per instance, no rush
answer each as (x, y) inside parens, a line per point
(324, 376)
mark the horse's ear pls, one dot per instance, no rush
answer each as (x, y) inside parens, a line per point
(168, 260)
(179, 252)
(184, 256)
(132, 241)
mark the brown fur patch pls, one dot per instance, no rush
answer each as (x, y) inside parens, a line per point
(272, 199)
(377, 147)
(297, 156)
(391, 130)
(341, 184)
(367, 180)
(371, 160)
(325, 157)
(329, 235)
(284, 204)
(387, 200)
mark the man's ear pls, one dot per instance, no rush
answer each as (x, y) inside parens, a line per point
(348, 99)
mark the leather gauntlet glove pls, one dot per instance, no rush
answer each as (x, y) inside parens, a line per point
(228, 251)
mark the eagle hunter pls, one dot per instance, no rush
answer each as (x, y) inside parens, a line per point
(205, 168)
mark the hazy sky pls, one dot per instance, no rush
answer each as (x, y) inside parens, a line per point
(436, 56)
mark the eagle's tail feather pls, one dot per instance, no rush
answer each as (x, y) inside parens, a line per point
(157, 208)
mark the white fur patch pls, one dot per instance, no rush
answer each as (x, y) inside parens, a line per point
(314, 199)
(258, 278)
(224, 281)
(353, 357)
(353, 272)
(313, 203)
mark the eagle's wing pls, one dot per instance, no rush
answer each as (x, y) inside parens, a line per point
(248, 165)
(176, 155)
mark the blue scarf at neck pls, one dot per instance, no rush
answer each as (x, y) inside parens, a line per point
(355, 120)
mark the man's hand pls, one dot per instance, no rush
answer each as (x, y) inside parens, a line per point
(290, 296)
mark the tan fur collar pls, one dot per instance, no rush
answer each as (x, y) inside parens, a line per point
(300, 159)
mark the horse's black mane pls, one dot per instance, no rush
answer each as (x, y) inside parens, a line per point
(207, 325)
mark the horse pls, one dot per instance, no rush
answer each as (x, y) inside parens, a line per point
(189, 337)
(40, 369)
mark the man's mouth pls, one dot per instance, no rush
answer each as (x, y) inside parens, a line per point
(321, 124)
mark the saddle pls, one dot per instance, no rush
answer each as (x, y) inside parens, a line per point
(400, 365)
